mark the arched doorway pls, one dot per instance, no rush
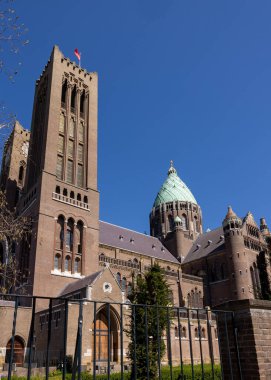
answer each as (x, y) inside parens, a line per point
(102, 349)
(18, 351)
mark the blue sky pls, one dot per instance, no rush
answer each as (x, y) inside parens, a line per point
(183, 80)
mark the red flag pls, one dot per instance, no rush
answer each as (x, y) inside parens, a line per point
(78, 55)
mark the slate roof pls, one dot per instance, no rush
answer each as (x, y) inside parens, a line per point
(79, 284)
(129, 240)
(202, 248)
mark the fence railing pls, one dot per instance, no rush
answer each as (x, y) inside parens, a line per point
(40, 335)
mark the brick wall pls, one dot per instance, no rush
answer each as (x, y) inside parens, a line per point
(248, 329)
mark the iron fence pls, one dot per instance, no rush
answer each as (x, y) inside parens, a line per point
(74, 336)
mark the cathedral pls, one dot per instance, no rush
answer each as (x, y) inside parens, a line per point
(50, 176)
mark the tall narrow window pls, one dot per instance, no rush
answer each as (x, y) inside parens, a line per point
(64, 92)
(70, 148)
(69, 235)
(59, 232)
(70, 171)
(80, 176)
(184, 222)
(60, 145)
(123, 284)
(79, 228)
(61, 123)
(21, 174)
(77, 265)
(59, 167)
(81, 132)
(67, 264)
(57, 265)
(82, 103)
(71, 127)
(80, 152)
(73, 98)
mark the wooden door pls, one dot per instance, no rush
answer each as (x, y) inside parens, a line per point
(18, 351)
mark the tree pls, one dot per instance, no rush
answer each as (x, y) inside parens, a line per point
(13, 229)
(12, 32)
(147, 323)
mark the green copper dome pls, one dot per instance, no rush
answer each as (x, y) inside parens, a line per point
(173, 189)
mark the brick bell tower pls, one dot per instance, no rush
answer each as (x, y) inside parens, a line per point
(60, 192)
(175, 217)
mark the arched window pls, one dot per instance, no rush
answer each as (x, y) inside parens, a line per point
(85, 199)
(123, 284)
(67, 264)
(60, 232)
(102, 257)
(118, 276)
(183, 332)
(57, 189)
(79, 197)
(80, 229)
(135, 261)
(69, 235)
(203, 333)
(73, 98)
(176, 332)
(77, 265)
(184, 222)
(65, 192)
(196, 224)
(72, 194)
(129, 288)
(57, 262)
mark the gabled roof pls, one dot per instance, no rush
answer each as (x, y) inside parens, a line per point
(80, 284)
(129, 240)
(205, 245)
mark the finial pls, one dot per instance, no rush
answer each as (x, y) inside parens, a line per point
(171, 169)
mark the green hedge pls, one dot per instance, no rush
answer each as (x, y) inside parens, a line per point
(165, 374)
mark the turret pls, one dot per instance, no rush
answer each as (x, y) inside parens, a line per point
(235, 254)
(264, 228)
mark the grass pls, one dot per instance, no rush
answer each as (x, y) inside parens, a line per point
(165, 374)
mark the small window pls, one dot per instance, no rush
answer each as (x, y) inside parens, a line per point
(57, 189)
(85, 199)
(79, 197)
(72, 194)
(57, 265)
